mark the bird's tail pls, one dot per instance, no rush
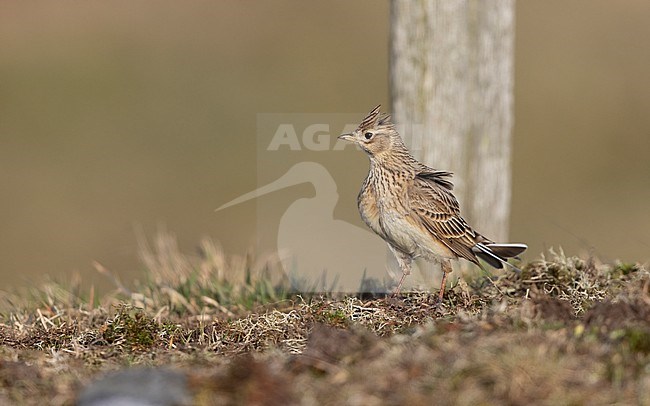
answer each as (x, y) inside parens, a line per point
(496, 254)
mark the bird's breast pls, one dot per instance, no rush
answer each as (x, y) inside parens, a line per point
(369, 210)
(387, 213)
(384, 213)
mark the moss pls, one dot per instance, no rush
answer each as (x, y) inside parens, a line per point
(624, 269)
(334, 317)
(131, 328)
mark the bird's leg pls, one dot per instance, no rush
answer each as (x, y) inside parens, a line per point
(404, 261)
(399, 285)
(445, 264)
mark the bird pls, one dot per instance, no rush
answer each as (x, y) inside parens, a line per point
(412, 206)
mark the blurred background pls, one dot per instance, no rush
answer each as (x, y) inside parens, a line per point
(124, 116)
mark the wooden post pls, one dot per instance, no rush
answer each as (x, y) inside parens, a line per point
(451, 80)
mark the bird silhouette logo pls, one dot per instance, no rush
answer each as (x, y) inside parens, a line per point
(312, 244)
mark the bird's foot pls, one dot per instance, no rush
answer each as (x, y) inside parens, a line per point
(441, 295)
(438, 303)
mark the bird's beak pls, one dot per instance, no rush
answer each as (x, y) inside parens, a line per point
(346, 137)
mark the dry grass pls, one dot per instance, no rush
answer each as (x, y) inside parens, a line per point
(566, 330)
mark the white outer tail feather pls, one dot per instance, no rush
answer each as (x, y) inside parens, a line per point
(485, 250)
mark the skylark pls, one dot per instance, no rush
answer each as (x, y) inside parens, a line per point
(412, 206)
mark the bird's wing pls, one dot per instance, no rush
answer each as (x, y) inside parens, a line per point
(440, 178)
(433, 203)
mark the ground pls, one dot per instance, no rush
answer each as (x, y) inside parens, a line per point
(566, 330)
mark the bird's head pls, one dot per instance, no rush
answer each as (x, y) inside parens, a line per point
(375, 135)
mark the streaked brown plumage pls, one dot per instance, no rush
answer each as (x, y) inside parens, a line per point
(412, 206)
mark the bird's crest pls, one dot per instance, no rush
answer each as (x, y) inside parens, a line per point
(371, 119)
(384, 120)
(375, 118)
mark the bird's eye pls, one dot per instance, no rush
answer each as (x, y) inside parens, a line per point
(368, 135)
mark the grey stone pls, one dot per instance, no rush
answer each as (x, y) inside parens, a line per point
(137, 387)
